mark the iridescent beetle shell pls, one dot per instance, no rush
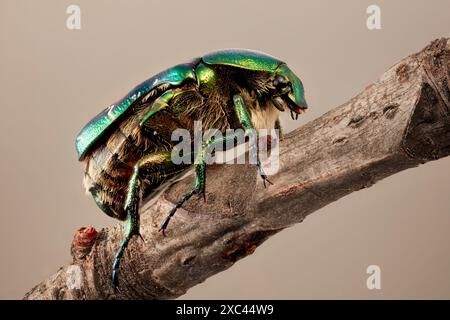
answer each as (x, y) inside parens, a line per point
(95, 128)
(245, 59)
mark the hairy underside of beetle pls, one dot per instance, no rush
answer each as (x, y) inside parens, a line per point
(109, 166)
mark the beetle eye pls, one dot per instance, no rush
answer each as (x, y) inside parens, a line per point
(280, 82)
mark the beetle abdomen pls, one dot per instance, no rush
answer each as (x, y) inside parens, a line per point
(110, 165)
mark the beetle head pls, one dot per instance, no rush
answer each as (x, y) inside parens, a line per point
(289, 89)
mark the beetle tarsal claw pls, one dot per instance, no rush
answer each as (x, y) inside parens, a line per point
(201, 194)
(268, 181)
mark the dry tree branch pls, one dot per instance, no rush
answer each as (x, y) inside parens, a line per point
(397, 123)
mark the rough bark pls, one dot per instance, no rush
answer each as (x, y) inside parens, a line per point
(397, 123)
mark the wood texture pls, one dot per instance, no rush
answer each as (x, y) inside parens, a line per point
(399, 122)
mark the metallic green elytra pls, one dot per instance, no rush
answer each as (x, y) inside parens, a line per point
(127, 148)
(95, 128)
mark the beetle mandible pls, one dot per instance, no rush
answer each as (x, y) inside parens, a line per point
(127, 147)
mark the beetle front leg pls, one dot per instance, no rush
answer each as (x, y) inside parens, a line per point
(152, 163)
(244, 118)
(159, 104)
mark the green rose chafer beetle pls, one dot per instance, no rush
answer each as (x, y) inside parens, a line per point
(127, 147)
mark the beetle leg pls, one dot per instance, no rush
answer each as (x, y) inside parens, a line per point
(159, 104)
(244, 118)
(155, 162)
(200, 165)
(200, 176)
(183, 199)
(199, 188)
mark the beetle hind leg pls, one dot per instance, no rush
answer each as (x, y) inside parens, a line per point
(132, 222)
(155, 163)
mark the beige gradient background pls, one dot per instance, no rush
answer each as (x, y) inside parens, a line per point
(53, 80)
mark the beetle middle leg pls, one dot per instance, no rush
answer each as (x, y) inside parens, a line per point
(199, 187)
(154, 163)
(200, 176)
(200, 166)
